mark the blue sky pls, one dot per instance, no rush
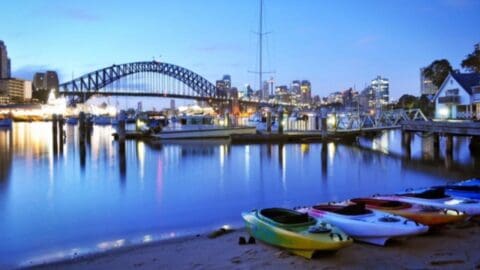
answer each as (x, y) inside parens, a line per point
(334, 44)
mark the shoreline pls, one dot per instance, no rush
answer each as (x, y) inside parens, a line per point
(453, 247)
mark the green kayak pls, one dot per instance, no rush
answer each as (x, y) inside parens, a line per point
(294, 231)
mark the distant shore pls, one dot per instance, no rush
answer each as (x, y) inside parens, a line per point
(453, 247)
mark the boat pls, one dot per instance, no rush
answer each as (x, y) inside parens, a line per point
(6, 123)
(203, 132)
(427, 215)
(437, 197)
(102, 120)
(294, 231)
(467, 189)
(365, 225)
(72, 121)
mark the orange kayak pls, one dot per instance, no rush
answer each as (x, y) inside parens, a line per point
(426, 215)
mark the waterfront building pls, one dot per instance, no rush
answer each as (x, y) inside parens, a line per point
(458, 97)
(306, 91)
(281, 94)
(43, 84)
(5, 63)
(380, 87)
(227, 80)
(264, 94)
(426, 85)
(16, 90)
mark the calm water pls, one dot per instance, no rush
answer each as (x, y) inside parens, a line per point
(55, 202)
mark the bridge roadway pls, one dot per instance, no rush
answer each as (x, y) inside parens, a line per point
(459, 128)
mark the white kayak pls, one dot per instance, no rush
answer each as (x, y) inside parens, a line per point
(438, 198)
(370, 226)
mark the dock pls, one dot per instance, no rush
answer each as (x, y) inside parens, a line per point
(457, 128)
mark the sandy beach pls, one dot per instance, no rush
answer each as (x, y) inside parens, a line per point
(453, 247)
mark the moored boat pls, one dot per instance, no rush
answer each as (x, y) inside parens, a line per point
(426, 215)
(294, 231)
(437, 197)
(72, 121)
(6, 122)
(366, 225)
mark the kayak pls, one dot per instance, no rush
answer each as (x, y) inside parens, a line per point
(427, 215)
(436, 197)
(294, 231)
(467, 189)
(365, 225)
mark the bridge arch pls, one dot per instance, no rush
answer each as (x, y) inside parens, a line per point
(92, 83)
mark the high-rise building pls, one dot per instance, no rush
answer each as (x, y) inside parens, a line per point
(295, 87)
(265, 91)
(426, 85)
(5, 63)
(43, 84)
(17, 90)
(306, 91)
(380, 87)
(227, 79)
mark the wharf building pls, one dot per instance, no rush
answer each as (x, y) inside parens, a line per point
(458, 97)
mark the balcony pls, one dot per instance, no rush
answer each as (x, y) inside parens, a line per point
(449, 99)
(476, 94)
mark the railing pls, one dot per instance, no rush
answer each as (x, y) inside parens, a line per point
(476, 93)
(449, 99)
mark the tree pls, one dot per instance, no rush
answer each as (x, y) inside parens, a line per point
(437, 71)
(407, 102)
(472, 62)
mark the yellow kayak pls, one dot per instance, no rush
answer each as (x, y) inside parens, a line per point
(294, 231)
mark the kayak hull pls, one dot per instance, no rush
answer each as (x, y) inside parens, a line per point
(371, 228)
(429, 216)
(295, 238)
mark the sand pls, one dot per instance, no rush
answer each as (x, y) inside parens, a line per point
(453, 247)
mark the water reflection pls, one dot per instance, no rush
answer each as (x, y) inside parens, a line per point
(101, 189)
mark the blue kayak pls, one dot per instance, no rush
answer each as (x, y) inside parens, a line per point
(466, 189)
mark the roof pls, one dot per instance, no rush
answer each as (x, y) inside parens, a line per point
(467, 80)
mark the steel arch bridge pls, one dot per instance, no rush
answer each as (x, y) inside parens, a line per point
(103, 82)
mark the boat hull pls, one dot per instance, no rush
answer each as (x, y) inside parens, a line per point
(203, 133)
(468, 206)
(429, 216)
(370, 228)
(296, 239)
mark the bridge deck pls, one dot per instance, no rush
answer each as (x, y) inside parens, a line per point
(464, 128)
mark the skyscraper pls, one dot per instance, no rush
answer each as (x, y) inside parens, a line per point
(426, 85)
(306, 91)
(227, 80)
(4, 62)
(380, 88)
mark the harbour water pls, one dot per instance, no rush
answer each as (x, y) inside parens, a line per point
(58, 202)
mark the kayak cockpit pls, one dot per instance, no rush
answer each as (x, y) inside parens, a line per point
(349, 210)
(431, 194)
(286, 216)
(380, 203)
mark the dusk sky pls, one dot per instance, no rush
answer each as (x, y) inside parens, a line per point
(334, 44)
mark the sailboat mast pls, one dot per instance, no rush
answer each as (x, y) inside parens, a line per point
(260, 41)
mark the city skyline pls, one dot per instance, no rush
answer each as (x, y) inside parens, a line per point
(310, 40)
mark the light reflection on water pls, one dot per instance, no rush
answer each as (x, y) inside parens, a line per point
(57, 198)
